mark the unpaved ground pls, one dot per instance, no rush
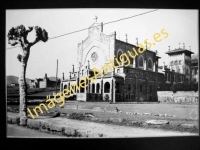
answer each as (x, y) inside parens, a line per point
(113, 131)
(182, 114)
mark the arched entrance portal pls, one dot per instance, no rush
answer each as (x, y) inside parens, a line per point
(107, 87)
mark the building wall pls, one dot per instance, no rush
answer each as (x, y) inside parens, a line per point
(139, 85)
(181, 63)
(123, 47)
(176, 62)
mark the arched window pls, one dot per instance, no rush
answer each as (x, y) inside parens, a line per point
(129, 87)
(107, 87)
(93, 88)
(65, 86)
(150, 64)
(98, 86)
(141, 61)
(119, 54)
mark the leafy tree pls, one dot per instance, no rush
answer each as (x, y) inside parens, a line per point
(106, 97)
(18, 35)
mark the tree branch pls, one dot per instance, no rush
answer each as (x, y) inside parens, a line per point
(13, 42)
(35, 41)
(41, 34)
(29, 30)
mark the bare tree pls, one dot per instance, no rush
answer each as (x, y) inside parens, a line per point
(18, 35)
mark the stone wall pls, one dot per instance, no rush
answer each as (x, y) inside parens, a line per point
(179, 97)
(81, 96)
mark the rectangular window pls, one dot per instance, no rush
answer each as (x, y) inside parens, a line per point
(129, 97)
(150, 89)
(126, 96)
(140, 88)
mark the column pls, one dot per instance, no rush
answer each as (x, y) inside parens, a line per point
(133, 63)
(114, 90)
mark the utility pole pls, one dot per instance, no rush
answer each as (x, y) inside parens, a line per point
(56, 74)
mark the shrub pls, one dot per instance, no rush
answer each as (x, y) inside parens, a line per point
(184, 87)
(173, 88)
(106, 97)
(194, 87)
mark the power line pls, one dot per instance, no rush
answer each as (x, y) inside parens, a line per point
(95, 26)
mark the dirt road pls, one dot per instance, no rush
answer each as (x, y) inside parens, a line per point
(113, 131)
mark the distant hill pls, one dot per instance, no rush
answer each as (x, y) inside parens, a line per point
(14, 79)
(53, 78)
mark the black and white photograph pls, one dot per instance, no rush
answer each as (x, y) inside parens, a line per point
(102, 73)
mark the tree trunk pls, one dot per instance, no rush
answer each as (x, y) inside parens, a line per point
(22, 84)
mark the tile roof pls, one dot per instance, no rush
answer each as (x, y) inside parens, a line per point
(179, 50)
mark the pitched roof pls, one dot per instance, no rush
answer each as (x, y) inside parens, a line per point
(179, 50)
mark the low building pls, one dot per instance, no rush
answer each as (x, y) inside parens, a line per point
(43, 82)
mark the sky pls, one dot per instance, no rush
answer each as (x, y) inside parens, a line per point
(180, 24)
